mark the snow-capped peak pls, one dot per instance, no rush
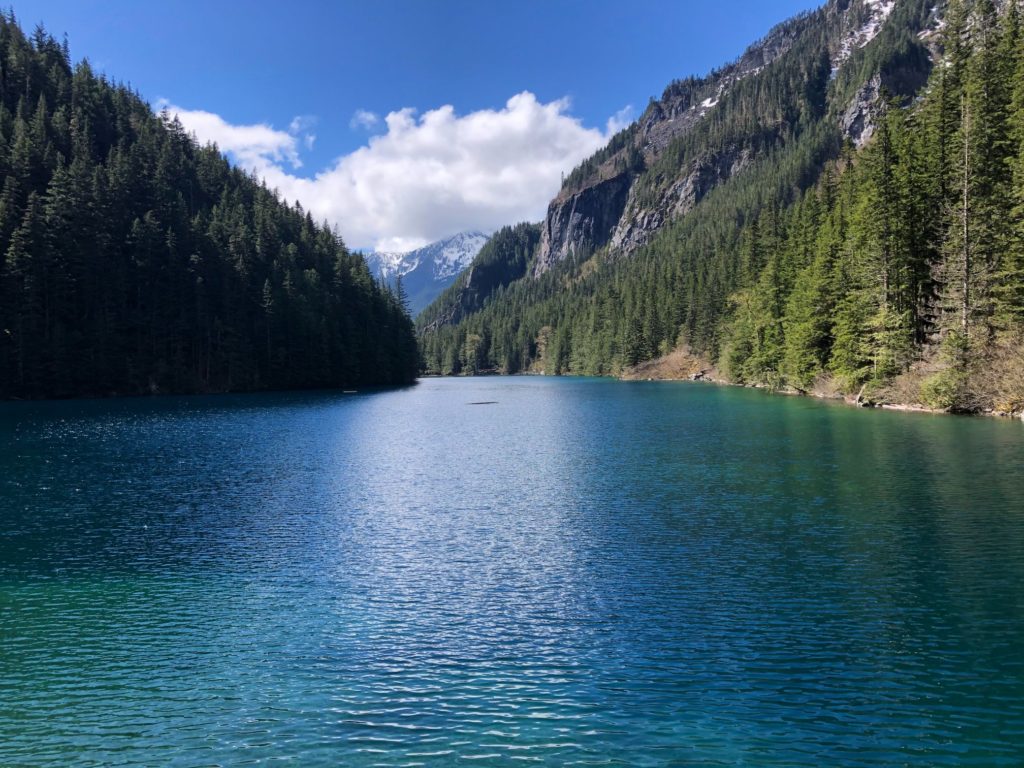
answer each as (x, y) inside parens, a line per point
(454, 254)
(446, 257)
(391, 265)
(427, 271)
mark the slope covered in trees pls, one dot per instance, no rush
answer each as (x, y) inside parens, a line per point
(133, 260)
(912, 249)
(502, 261)
(898, 265)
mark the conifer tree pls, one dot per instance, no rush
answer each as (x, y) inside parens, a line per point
(134, 260)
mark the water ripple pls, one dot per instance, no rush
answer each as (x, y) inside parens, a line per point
(584, 573)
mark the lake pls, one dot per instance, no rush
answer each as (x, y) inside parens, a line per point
(582, 572)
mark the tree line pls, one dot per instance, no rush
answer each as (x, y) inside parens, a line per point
(134, 260)
(902, 262)
(911, 249)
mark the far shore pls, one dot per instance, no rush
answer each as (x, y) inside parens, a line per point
(681, 366)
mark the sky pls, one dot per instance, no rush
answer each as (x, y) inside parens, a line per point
(403, 121)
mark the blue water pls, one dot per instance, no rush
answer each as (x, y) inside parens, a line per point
(585, 572)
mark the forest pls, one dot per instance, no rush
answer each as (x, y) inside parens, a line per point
(133, 260)
(896, 274)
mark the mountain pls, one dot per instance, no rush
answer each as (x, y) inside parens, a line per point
(704, 131)
(710, 154)
(501, 261)
(133, 260)
(426, 272)
(831, 211)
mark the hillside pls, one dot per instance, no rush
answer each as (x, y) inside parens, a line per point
(133, 260)
(704, 131)
(830, 148)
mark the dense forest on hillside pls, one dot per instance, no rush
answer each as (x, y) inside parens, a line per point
(133, 260)
(502, 260)
(899, 266)
(917, 244)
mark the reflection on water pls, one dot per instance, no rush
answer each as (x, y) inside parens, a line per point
(585, 572)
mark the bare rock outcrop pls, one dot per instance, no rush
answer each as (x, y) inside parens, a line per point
(648, 177)
(580, 222)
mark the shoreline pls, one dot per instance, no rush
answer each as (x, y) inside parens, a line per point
(854, 401)
(160, 395)
(682, 365)
(847, 400)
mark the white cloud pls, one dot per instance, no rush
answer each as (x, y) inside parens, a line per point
(301, 123)
(302, 126)
(424, 177)
(363, 119)
(252, 146)
(621, 119)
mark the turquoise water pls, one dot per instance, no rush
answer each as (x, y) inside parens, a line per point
(585, 572)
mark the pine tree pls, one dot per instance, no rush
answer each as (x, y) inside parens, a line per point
(1008, 293)
(134, 260)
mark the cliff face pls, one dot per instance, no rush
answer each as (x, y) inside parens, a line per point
(580, 222)
(701, 176)
(604, 208)
(673, 156)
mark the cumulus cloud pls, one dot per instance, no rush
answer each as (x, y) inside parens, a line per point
(364, 119)
(253, 146)
(425, 176)
(621, 119)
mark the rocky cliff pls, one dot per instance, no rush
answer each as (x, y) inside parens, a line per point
(676, 153)
(580, 221)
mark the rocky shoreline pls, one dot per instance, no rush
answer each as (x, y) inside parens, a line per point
(680, 365)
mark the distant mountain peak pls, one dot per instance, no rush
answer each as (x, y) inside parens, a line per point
(427, 271)
(389, 265)
(453, 254)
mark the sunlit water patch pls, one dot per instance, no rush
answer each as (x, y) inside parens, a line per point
(578, 572)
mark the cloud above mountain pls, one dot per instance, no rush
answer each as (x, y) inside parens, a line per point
(423, 176)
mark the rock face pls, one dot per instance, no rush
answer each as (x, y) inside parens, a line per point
(580, 222)
(858, 121)
(605, 208)
(638, 225)
(636, 186)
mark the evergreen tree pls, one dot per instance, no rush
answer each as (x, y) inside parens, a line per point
(135, 260)
(818, 259)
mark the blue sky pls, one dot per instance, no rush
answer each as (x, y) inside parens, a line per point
(295, 76)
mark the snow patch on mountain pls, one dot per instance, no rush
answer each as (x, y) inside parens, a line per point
(391, 265)
(427, 271)
(446, 257)
(453, 255)
(878, 12)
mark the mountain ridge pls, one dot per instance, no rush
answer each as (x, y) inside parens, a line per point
(609, 207)
(683, 148)
(801, 226)
(426, 272)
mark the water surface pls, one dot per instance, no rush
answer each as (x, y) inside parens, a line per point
(582, 572)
